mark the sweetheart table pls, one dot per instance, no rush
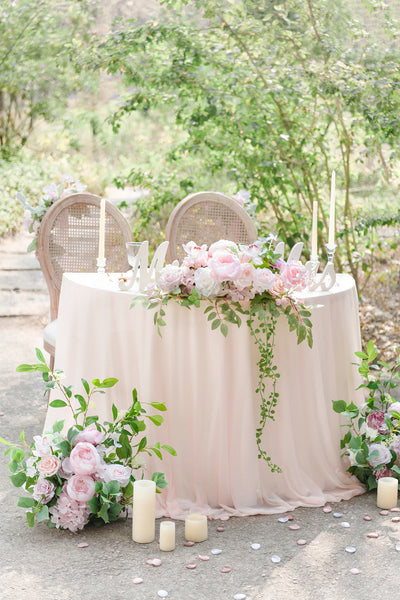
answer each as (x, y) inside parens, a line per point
(208, 384)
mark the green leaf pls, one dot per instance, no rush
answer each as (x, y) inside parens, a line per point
(18, 479)
(43, 514)
(159, 478)
(107, 383)
(65, 447)
(103, 513)
(25, 502)
(58, 403)
(169, 449)
(58, 426)
(114, 412)
(224, 329)
(114, 510)
(215, 324)
(339, 406)
(156, 419)
(113, 487)
(26, 368)
(158, 405)
(94, 505)
(72, 434)
(17, 454)
(3, 441)
(39, 355)
(86, 386)
(30, 517)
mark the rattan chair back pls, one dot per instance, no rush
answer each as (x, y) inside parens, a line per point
(68, 241)
(206, 217)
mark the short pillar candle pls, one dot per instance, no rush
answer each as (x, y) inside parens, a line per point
(387, 492)
(144, 511)
(196, 529)
(167, 536)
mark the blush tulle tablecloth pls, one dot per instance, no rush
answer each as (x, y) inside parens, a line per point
(208, 383)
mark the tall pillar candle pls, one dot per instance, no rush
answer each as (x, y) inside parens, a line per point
(102, 228)
(331, 232)
(144, 511)
(314, 234)
(196, 529)
(167, 536)
(387, 492)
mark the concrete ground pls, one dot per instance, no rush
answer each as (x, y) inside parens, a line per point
(40, 562)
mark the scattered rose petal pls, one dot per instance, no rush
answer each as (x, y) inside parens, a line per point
(1, 414)
(301, 542)
(395, 519)
(239, 597)
(256, 546)
(83, 545)
(384, 512)
(154, 562)
(216, 551)
(355, 571)
(397, 547)
(137, 580)
(327, 509)
(283, 519)
(294, 527)
(290, 517)
(350, 549)
(275, 558)
(367, 518)
(337, 515)
(395, 509)
(204, 557)
(191, 565)
(373, 534)
(188, 543)
(224, 518)
(226, 569)
(162, 593)
(220, 528)
(345, 524)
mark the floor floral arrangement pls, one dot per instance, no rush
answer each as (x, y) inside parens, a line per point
(239, 282)
(86, 475)
(372, 441)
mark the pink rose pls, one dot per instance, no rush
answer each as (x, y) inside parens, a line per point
(264, 280)
(224, 265)
(48, 465)
(376, 420)
(197, 256)
(115, 472)
(90, 434)
(222, 245)
(384, 472)
(84, 459)
(294, 274)
(170, 278)
(395, 406)
(81, 488)
(245, 277)
(278, 289)
(43, 490)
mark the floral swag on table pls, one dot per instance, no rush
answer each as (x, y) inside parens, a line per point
(372, 442)
(85, 476)
(238, 282)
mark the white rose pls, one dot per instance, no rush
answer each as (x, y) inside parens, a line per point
(115, 472)
(170, 278)
(384, 455)
(205, 283)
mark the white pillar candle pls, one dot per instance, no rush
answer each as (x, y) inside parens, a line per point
(331, 233)
(314, 238)
(196, 528)
(102, 227)
(387, 492)
(144, 511)
(167, 536)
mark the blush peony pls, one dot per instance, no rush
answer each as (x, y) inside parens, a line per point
(80, 488)
(224, 265)
(84, 459)
(90, 434)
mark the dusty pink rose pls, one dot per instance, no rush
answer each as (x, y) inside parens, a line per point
(90, 434)
(69, 514)
(224, 265)
(385, 472)
(245, 277)
(170, 278)
(395, 406)
(43, 490)
(65, 471)
(80, 488)
(376, 420)
(48, 465)
(264, 280)
(115, 472)
(84, 459)
(384, 455)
